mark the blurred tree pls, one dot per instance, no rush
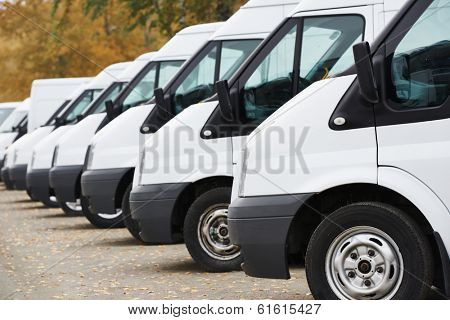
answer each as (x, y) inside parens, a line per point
(70, 38)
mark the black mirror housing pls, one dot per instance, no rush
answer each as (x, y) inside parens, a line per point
(225, 104)
(109, 107)
(364, 69)
(161, 103)
(59, 121)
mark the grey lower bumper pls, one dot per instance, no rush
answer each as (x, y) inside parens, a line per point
(64, 181)
(100, 188)
(18, 176)
(6, 180)
(152, 206)
(38, 185)
(260, 226)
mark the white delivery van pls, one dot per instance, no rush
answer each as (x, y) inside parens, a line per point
(42, 91)
(182, 187)
(366, 199)
(37, 178)
(6, 108)
(10, 130)
(47, 95)
(72, 148)
(106, 181)
(23, 147)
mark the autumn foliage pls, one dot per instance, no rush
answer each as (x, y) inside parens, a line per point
(72, 38)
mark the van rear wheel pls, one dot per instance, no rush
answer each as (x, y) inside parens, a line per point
(206, 232)
(102, 221)
(369, 251)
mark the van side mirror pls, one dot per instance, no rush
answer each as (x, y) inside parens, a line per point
(109, 107)
(364, 70)
(225, 104)
(161, 103)
(59, 121)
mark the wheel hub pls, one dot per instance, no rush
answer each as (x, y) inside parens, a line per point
(214, 236)
(364, 263)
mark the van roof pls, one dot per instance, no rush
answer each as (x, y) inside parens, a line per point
(147, 56)
(187, 42)
(201, 28)
(107, 76)
(58, 81)
(24, 105)
(256, 19)
(267, 3)
(314, 5)
(9, 105)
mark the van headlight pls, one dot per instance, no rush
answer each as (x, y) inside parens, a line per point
(89, 157)
(244, 160)
(33, 156)
(15, 155)
(55, 155)
(141, 165)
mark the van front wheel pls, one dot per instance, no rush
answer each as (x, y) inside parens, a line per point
(369, 251)
(206, 232)
(102, 221)
(131, 224)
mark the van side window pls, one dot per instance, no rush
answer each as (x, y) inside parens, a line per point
(420, 65)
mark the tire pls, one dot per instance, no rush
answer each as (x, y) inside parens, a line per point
(30, 195)
(100, 221)
(50, 203)
(131, 224)
(68, 209)
(382, 228)
(209, 204)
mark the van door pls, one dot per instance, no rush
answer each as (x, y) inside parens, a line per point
(304, 50)
(413, 116)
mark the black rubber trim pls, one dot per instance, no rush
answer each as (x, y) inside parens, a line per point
(152, 206)
(38, 184)
(64, 181)
(18, 176)
(260, 226)
(100, 187)
(445, 259)
(2, 162)
(6, 180)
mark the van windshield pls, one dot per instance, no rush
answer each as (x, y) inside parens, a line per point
(218, 62)
(4, 113)
(155, 75)
(98, 105)
(80, 104)
(326, 49)
(14, 119)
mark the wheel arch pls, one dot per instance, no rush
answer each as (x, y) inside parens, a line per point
(124, 182)
(190, 193)
(312, 212)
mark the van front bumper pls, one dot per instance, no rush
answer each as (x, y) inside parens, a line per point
(6, 180)
(64, 181)
(260, 226)
(152, 206)
(18, 176)
(100, 188)
(37, 184)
